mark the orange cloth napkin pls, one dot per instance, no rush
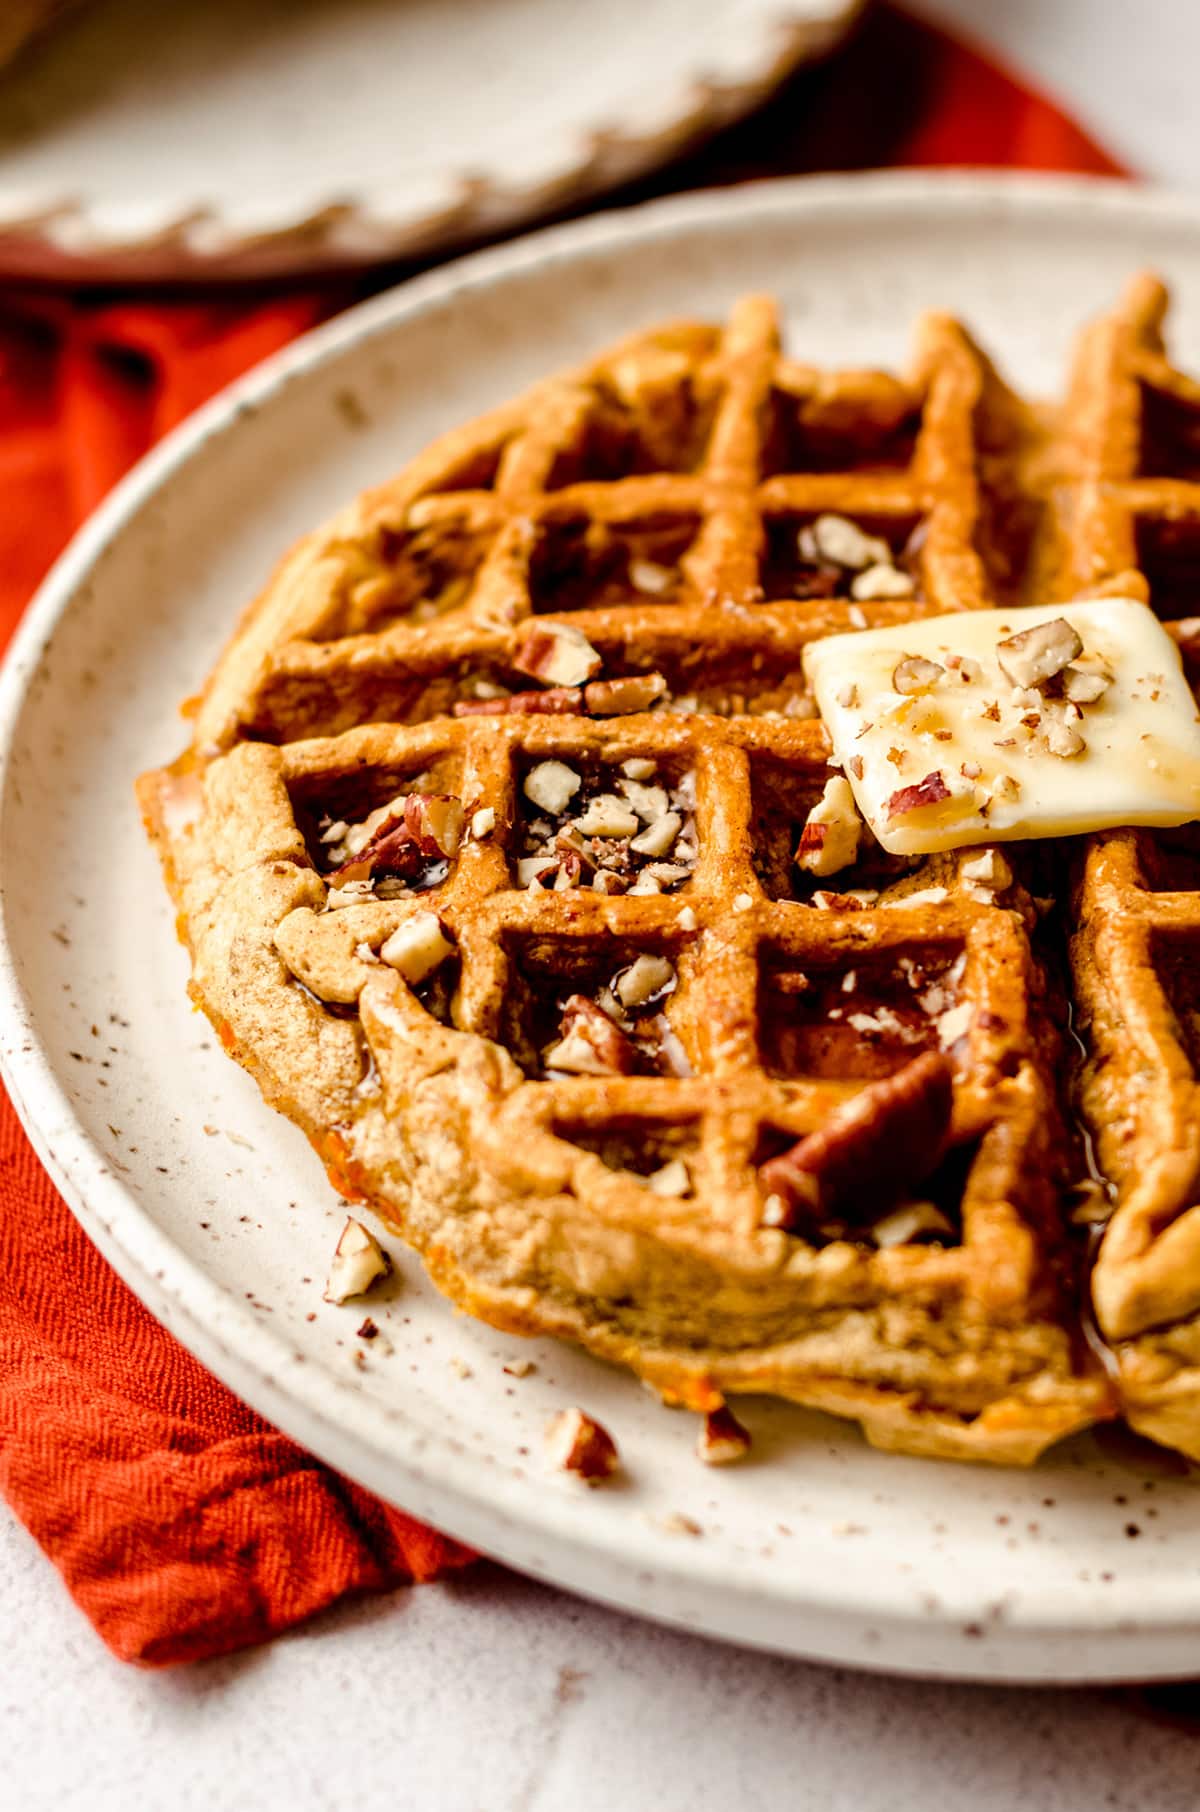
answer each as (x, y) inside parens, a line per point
(183, 1525)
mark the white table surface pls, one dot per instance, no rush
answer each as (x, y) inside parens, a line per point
(491, 1694)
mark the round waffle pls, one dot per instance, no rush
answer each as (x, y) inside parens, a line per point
(489, 850)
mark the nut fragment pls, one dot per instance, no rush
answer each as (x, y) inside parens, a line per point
(722, 1440)
(989, 869)
(914, 674)
(417, 947)
(589, 1044)
(607, 816)
(954, 1024)
(644, 980)
(838, 539)
(623, 697)
(434, 821)
(881, 581)
(353, 893)
(530, 869)
(659, 836)
(416, 829)
(671, 1178)
(1063, 739)
(551, 785)
(929, 791)
(649, 802)
(908, 1222)
(483, 822)
(1083, 686)
(577, 1444)
(920, 896)
(638, 767)
(556, 701)
(1033, 656)
(830, 838)
(558, 654)
(649, 577)
(887, 1138)
(358, 1261)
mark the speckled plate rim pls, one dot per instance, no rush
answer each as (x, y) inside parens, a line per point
(822, 1616)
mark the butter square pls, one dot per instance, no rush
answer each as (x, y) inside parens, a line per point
(969, 759)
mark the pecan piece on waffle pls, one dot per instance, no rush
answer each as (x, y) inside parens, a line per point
(555, 701)
(622, 697)
(889, 1137)
(434, 821)
(558, 654)
(588, 1043)
(427, 829)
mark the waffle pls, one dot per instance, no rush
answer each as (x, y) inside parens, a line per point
(576, 1073)
(1133, 524)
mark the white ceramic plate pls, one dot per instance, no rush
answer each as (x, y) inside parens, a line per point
(246, 137)
(215, 1210)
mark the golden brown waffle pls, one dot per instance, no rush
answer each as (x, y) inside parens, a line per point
(655, 501)
(1133, 524)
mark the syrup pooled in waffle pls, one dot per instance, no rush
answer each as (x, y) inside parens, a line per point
(494, 852)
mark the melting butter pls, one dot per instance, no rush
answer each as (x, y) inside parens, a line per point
(970, 757)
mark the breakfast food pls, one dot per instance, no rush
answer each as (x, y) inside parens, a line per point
(542, 852)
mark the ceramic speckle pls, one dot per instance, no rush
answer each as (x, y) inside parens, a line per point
(215, 1210)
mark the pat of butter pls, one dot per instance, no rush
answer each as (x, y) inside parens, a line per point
(968, 757)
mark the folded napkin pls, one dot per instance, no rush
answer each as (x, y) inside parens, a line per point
(182, 1524)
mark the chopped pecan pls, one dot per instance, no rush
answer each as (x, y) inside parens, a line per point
(588, 1043)
(558, 654)
(658, 838)
(392, 850)
(830, 837)
(569, 846)
(881, 581)
(577, 1443)
(428, 828)
(434, 821)
(1084, 687)
(888, 1138)
(358, 1262)
(607, 816)
(1063, 739)
(929, 791)
(913, 674)
(645, 979)
(417, 947)
(551, 785)
(622, 697)
(843, 542)
(1036, 655)
(722, 1439)
(556, 701)
(649, 577)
